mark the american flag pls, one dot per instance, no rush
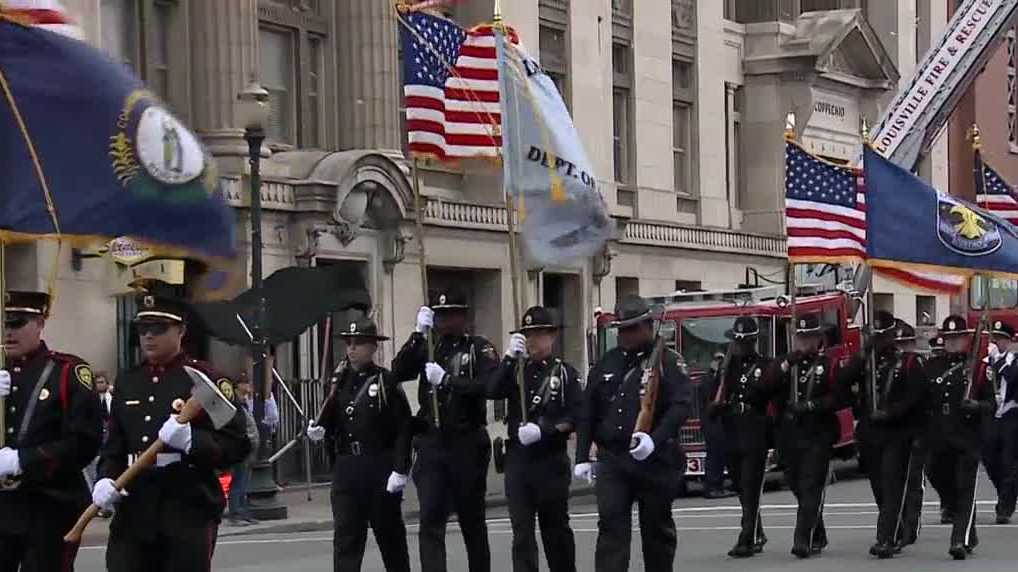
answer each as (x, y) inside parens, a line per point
(450, 84)
(825, 209)
(995, 195)
(46, 14)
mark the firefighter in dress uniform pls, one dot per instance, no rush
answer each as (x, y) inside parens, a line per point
(537, 467)
(735, 396)
(633, 466)
(1001, 454)
(911, 518)
(807, 428)
(368, 422)
(887, 429)
(956, 429)
(52, 431)
(453, 451)
(168, 518)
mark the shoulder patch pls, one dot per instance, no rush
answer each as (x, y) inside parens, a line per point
(225, 387)
(83, 373)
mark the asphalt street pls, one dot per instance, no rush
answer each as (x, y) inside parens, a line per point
(707, 529)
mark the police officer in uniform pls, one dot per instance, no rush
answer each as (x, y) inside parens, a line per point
(911, 519)
(956, 429)
(735, 396)
(808, 428)
(453, 451)
(168, 518)
(633, 466)
(1001, 454)
(52, 431)
(537, 467)
(367, 419)
(888, 423)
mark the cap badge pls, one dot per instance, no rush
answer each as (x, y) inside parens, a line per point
(952, 325)
(353, 327)
(441, 299)
(148, 301)
(998, 325)
(802, 324)
(373, 390)
(738, 328)
(528, 320)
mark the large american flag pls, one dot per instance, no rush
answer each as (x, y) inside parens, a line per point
(825, 209)
(46, 14)
(450, 84)
(995, 195)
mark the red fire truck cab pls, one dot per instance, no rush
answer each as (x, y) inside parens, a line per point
(694, 324)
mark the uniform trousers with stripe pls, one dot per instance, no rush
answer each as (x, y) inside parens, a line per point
(1001, 460)
(33, 536)
(806, 472)
(957, 469)
(888, 462)
(915, 492)
(176, 542)
(537, 485)
(747, 469)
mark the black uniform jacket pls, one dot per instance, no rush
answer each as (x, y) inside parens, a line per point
(817, 383)
(143, 399)
(462, 400)
(369, 415)
(945, 391)
(554, 394)
(611, 403)
(901, 388)
(62, 438)
(743, 404)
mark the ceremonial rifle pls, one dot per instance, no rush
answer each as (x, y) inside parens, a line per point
(649, 385)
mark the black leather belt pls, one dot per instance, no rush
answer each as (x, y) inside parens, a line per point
(357, 448)
(741, 408)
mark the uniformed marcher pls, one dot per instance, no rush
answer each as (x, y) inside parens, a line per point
(736, 396)
(940, 483)
(807, 428)
(537, 467)
(52, 431)
(1001, 454)
(633, 466)
(168, 518)
(888, 423)
(453, 451)
(956, 429)
(367, 421)
(911, 519)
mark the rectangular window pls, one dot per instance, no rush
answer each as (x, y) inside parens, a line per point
(680, 146)
(554, 58)
(276, 73)
(316, 68)
(926, 311)
(620, 133)
(883, 302)
(688, 286)
(626, 286)
(158, 71)
(118, 33)
(622, 7)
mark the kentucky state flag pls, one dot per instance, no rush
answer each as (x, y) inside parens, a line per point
(911, 225)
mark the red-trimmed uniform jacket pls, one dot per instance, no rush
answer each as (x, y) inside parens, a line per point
(62, 437)
(184, 489)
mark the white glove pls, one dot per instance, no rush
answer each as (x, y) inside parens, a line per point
(434, 373)
(644, 446)
(992, 350)
(105, 494)
(315, 432)
(529, 434)
(5, 383)
(584, 472)
(425, 319)
(176, 435)
(10, 464)
(517, 346)
(396, 484)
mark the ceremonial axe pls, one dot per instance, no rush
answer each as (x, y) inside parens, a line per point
(205, 396)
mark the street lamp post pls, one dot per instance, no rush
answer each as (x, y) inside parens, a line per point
(253, 113)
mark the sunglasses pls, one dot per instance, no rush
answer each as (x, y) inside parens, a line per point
(154, 328)
(15, 323)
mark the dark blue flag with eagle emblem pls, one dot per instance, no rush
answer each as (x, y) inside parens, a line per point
(87, 152)
(909, 224)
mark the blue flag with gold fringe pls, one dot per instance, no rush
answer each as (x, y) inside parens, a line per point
(909, 224)
(86, 152)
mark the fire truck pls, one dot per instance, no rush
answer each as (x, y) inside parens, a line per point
(693, 324)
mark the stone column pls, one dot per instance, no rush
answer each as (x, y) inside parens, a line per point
(367, 43)
(225, 58)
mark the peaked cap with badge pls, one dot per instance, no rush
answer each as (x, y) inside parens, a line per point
(884, 323)
(744, 328)
(448, 301)
(904, 332)
(937, 343)
(362, 328)
(1001, 329)
(954, 325)
(808, 325)
(27, 303)
(153, 308)
(537, 318)
(631, 310)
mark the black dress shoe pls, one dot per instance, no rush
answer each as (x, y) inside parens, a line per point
(958, 552)
(758, 546)
(718, 494)
(1001, 519)
(801, 551)
(742, 551)
(946, 517)
(882, 550)
(818, 546)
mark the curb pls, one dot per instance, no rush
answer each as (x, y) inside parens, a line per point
(326, 525)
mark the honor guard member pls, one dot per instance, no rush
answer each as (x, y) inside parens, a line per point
(537, 468)
(1001, 454)
(735, 396)
(936, 480)
(454, 450)
(956, 429)
(911, 519)
(168, 518)
(51, 431)
(888, 423)
(633, 466)
(367, 419)
(937, 346)
(804, 390)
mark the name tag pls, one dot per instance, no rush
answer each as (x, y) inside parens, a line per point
(132, 402)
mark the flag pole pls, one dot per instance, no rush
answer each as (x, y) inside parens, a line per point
(3, 351)
(793, 387)
(871, 357)
(979, 175)
(510, 218)
(423, 263)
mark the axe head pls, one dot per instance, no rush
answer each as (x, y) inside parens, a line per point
(216, 405)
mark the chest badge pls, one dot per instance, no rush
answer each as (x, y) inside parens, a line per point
(743, 380)
(44, 394)
(554, 383)
(820, 370)
(757, 373)
(939, 380)
(177, 405)
(465, 360)
(373, 390)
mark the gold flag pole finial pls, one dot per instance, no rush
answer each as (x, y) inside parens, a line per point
(790, 126)
(864, 130)
(976, 137)
(497, 16)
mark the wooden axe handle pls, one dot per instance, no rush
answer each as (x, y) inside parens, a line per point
(147, 459)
